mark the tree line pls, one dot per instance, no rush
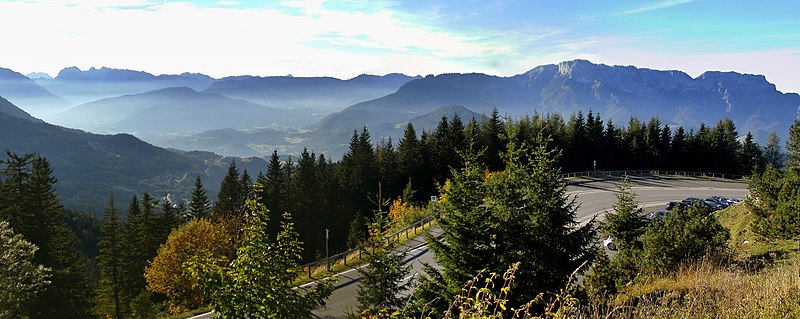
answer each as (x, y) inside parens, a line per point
(322, 194)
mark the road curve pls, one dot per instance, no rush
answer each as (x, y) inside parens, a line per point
(593, 195)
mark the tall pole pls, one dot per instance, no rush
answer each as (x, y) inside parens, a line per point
(326, 249)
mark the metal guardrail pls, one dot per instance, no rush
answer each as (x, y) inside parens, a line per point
(343, 256)
(650, 173)
(414, 228)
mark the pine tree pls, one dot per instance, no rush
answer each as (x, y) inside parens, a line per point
(386, 158)
(108, 296)
(31, 206)
(199, 206)
(521, 214)
(750, 156)
(492, 129)
(409, 156)
(380, 281)
(793, 145)
(772, 151)
(168, 220)
(229, 199)
(624, 222)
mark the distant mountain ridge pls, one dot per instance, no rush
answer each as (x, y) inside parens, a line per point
(176, 109)
(28, 95)
(615, 92)
(325, 94)
(94, 84)
(8, 108)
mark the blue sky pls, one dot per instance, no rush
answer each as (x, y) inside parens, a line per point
(346, 38)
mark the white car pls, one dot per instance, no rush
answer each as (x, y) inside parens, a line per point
(609, 243)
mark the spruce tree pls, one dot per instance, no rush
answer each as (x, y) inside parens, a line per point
(772, 151)
(409, 156)
(229, 199)
(31, 205)
(108, 295)
(199, 206)
(491, 131)
(520, 215)
(381, 279)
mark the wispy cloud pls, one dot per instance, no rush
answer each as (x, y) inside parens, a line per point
(656, 6)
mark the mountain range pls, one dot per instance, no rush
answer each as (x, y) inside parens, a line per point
(24, 92)
(175, 110)
(85, 86)
(251, 115)
(615, 92)
(322, 94)
(90, 167)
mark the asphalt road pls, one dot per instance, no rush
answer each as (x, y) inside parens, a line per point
(594, 197)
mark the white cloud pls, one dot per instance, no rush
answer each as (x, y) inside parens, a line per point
(656, 6)
(175, 37)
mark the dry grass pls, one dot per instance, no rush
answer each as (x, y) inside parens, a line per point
(704, 290)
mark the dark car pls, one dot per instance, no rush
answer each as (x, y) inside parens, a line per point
(673, 205)
(656, 216)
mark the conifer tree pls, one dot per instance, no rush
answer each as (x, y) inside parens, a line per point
(199, 206)
(381, 280)
(772, 151)
(491, 130)
(750, 156)
(386, 158)
(624, 222)
(409, 156)
(168, 220)
(108, 296)
(229, 199)
(31, 205)
(490, 222)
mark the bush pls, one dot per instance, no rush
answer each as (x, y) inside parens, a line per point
(686, 235)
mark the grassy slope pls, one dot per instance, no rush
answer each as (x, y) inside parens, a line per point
(742, 289)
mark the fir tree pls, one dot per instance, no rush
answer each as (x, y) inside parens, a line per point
(31, 205)
(199, 206)
(772, 151)
(108, 296)
(229, 199)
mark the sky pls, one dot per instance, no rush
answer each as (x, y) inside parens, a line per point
(421, 37)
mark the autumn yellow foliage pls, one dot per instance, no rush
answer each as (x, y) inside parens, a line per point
(165, 275)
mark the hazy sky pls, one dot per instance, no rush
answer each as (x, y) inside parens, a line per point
(346, 38)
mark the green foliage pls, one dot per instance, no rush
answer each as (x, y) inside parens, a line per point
(199, 206)
(259, 280)
(490, 221)
(30, 205)
(379, 280)
(230, 197)
(20, 277)
(776, 195)
(108, 295)
(772, 151)
(624, 222)
(686, 235)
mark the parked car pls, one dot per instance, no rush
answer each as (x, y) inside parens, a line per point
(609, 243)
(656, 216)
(672, 205)
(711, 203)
